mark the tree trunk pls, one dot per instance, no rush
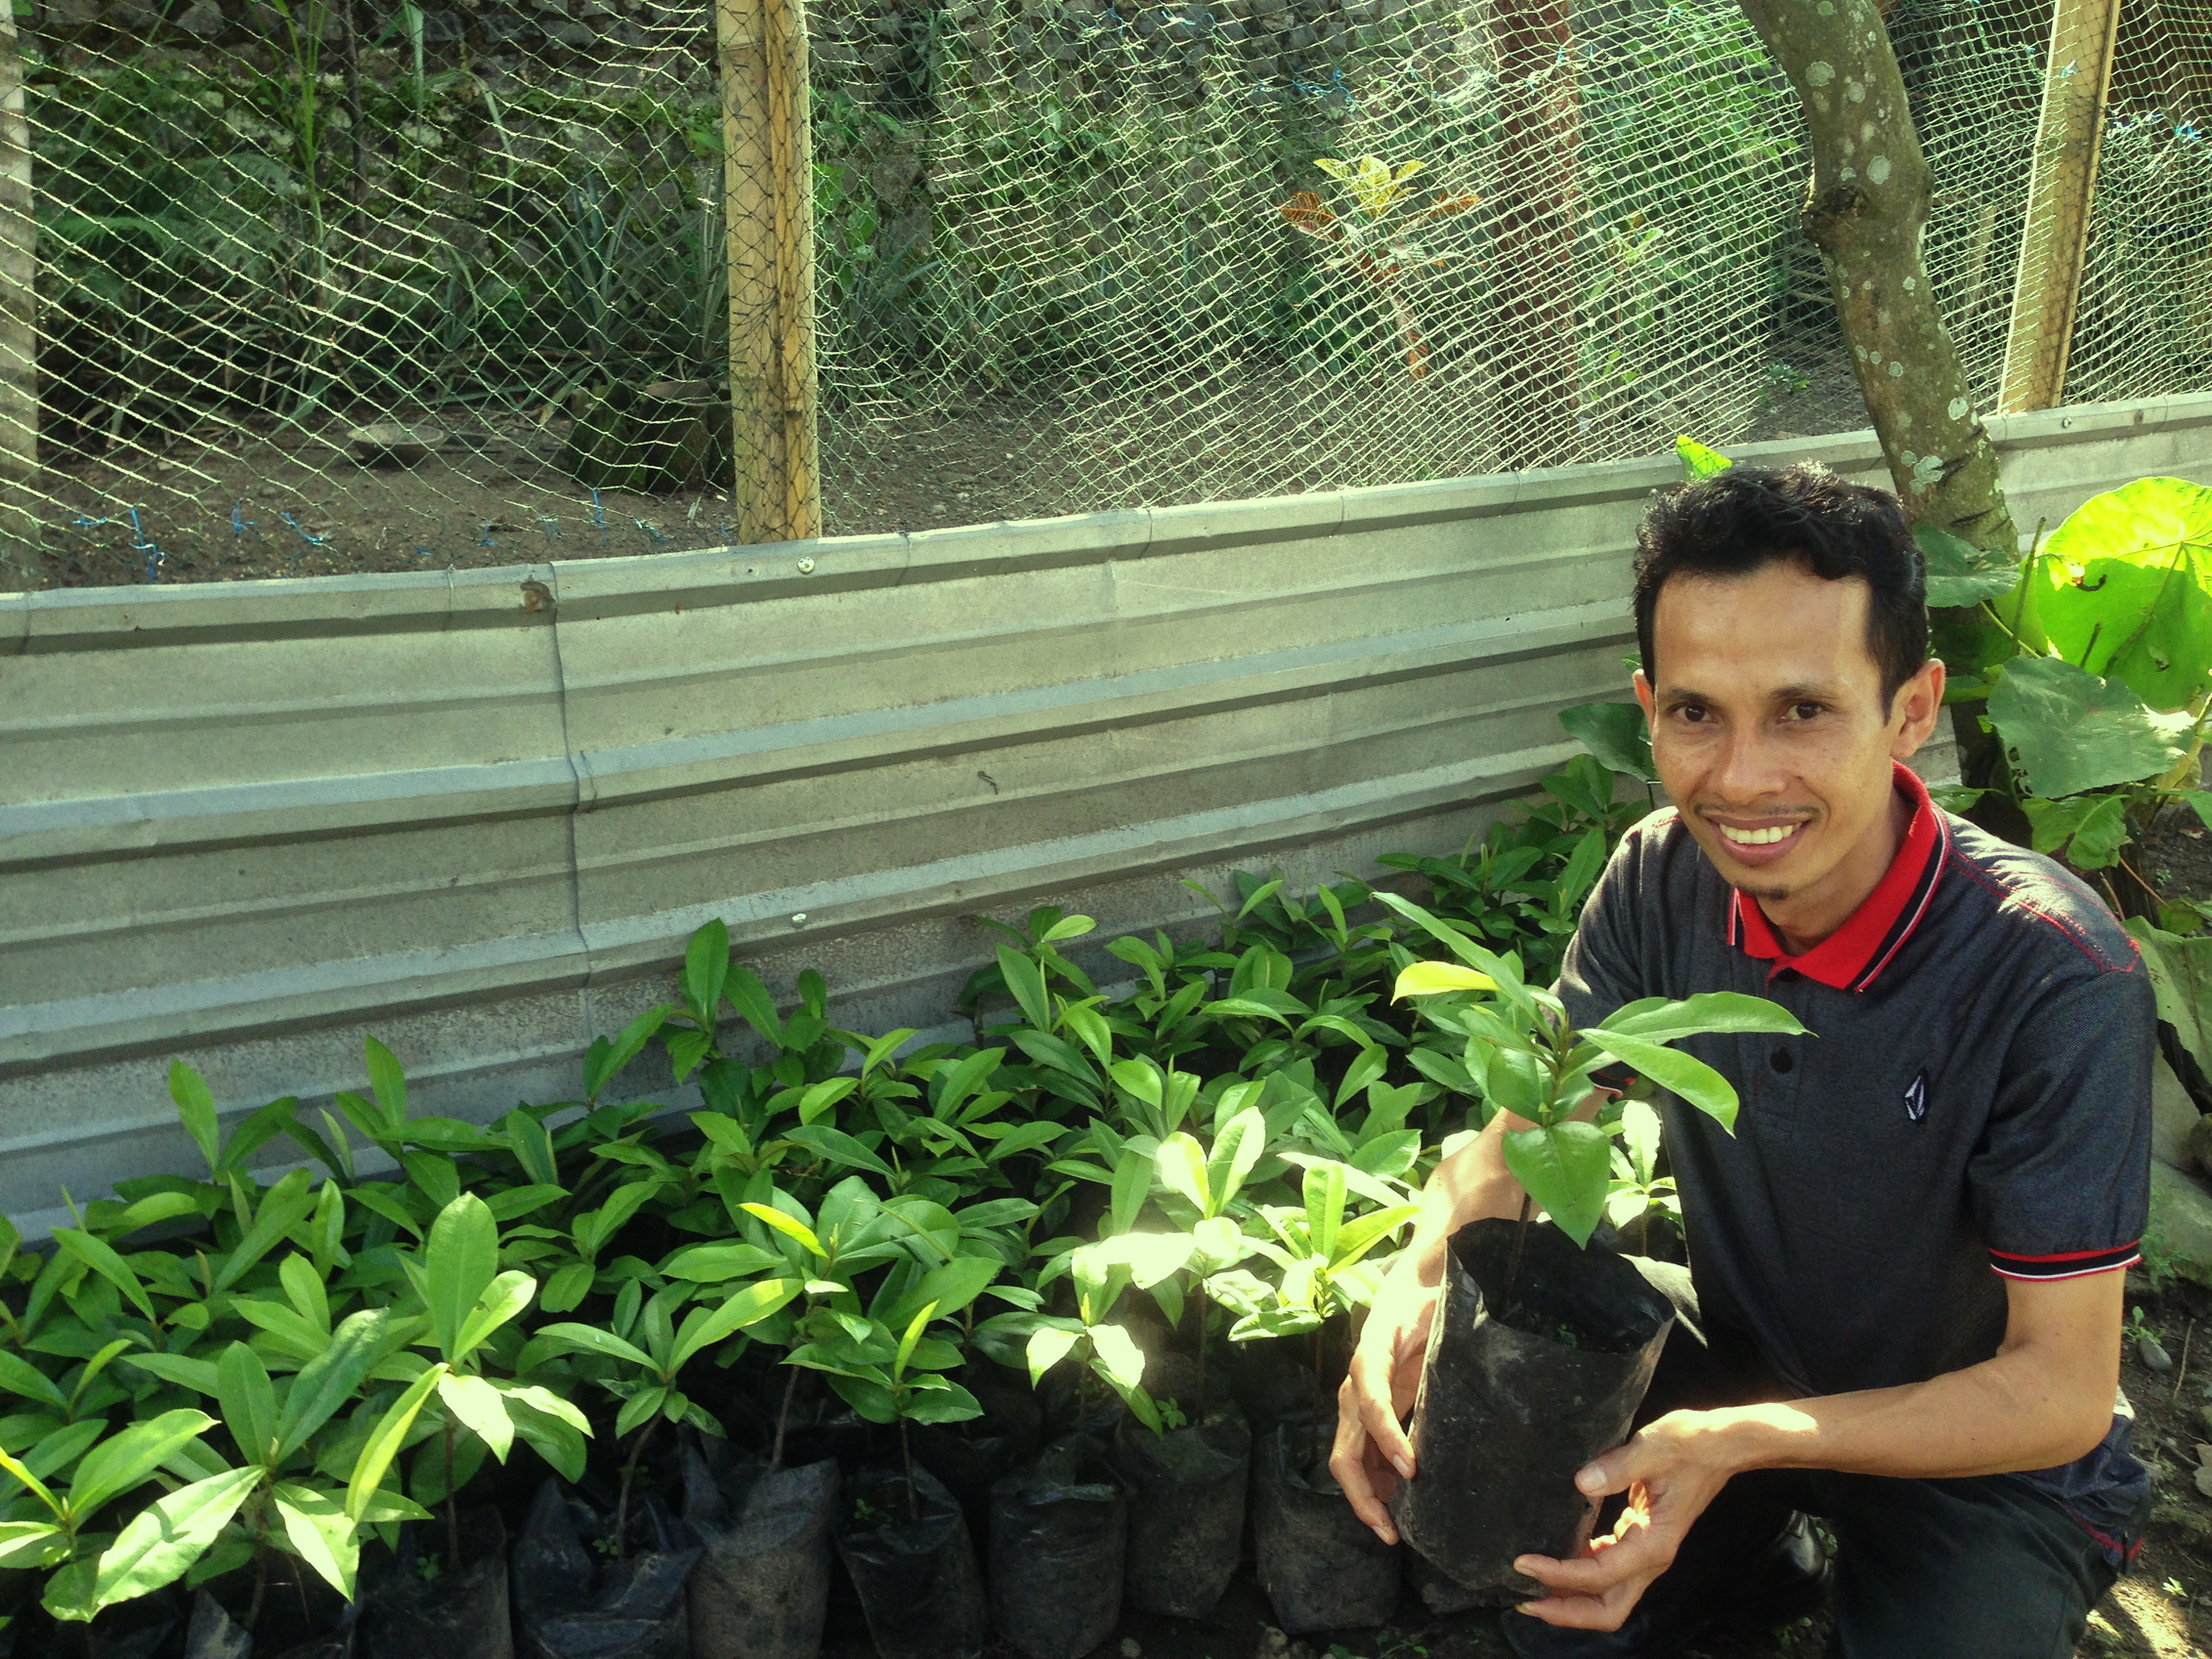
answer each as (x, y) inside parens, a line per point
(1867, 211)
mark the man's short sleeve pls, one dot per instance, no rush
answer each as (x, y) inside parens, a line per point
(2060, 1181)
(1603, 964)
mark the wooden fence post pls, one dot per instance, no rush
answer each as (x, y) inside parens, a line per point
(2062, 184)
(1538, 191)
(18, 317)
(768, 187)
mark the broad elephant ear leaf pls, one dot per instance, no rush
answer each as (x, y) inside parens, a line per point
(2073, 731)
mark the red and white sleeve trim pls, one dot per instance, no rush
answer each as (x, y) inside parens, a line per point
(2067, 1264)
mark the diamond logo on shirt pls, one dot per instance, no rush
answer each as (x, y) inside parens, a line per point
(1916, 1098)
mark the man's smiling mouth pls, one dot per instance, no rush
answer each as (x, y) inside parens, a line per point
(1758, 837)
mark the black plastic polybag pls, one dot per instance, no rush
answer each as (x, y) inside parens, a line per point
(762, 1586)
(1320, 1564)
(1505, 1417)
(914, 1569)
(1059, 1529)
(1186, 1510)
(571, 1602)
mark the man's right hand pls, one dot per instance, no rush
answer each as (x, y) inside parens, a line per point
(1372, 1453)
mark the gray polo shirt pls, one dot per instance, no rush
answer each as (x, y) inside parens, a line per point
(1973, 1103)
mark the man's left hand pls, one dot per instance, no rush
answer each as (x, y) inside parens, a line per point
(1670, 1470)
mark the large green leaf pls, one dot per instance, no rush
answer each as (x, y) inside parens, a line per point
(1689, 1076)
(2095, 828)
(1699, 461)
(1181, 1166)
(460, 1262)
(1960, 573)
(161, 1542)
(706, 968)
(1617, 733)
(1565, 1169)
(2124, 588)
(2075, 732)
(948, 1287)
(2180, 975)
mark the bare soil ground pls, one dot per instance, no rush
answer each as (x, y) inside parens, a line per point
(235, 502)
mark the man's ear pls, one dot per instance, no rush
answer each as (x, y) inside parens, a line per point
(1916, 709)
(1643, 694)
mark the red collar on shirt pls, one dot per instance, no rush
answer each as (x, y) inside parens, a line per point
(1850, 959)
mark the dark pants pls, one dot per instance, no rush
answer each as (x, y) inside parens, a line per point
(1985, 1568)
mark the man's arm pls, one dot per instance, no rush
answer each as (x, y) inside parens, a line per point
(2044, 1398)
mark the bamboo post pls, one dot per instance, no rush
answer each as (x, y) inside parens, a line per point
(18, 317)
(768, 174)
(1539, 164)
(2062, 184)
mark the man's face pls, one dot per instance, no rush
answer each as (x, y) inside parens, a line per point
(1769, 730)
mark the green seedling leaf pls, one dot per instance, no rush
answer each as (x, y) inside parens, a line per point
(160, 1543)
(839, 1148)
(1692, 1078)
(2074, 732)
(717, 1263)
(1238, 1146)
(1616, 734)
(948, 1288)
(129, 1459)
(321, 1533)
(1697, 460)
(1131, 1186)
(754, 1005)
(503, 1298)
(330, 1380)
(459, 1260)
(1438, 979)
(283, 1208)
(1048, 1346)
(249, 1403)
(1025, 983)
(196, 1106)
(707, 968)
(1656, 1020)
(17, 1375)
(478, 1406)
(389, 1081)
(1324, 1207)
(31, 1544)
(1363, 1233)
(2123, 588)
(99, 1255)
(605, 1062)
(2181, 977)
(590, 1338)
(386, 1439)
(702, 1329)
(1119, 1359)
(786, 1225)
(1564, 1167)
(1180, 1164)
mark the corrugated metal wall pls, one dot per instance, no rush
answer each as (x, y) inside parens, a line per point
(478, 813)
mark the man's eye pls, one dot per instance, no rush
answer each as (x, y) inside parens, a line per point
(1691, 711)
(1805, 710)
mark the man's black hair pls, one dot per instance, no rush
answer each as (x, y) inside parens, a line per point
(1741, 519)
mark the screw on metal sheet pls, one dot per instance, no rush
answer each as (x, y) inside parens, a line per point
(799, 920)
(536, 596)
(2065, 420)
(806, 566)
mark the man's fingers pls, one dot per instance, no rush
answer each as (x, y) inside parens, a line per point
(1583, 1612)
(1372, 1398)
(1349, 1463)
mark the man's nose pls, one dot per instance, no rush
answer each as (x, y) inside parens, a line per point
(1749, 765)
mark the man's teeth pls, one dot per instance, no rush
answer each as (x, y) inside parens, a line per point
(1758, 837)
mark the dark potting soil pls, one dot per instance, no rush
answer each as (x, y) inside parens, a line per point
(424, 1606)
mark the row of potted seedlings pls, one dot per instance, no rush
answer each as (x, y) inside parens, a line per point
(638, 1376)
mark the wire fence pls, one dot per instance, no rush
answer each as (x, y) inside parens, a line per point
(345, 284)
